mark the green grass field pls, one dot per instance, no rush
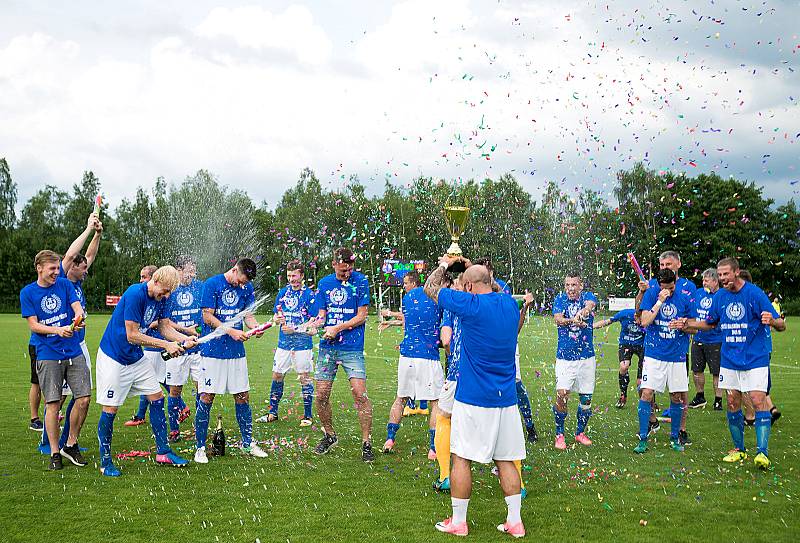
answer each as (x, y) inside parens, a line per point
(596, 494)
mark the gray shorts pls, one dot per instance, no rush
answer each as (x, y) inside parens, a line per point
(53, 373)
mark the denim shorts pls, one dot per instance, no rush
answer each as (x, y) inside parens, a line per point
(329, 361)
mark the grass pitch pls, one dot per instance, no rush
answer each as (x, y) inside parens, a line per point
(601, 493)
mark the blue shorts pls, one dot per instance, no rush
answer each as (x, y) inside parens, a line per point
(330, 359)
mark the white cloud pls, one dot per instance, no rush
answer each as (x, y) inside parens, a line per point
(293, 31)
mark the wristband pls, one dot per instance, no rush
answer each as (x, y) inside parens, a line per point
(658, 304)
(444, 265)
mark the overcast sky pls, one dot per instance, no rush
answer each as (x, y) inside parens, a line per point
(255, 92)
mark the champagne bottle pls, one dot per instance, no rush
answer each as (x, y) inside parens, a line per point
(165, 354)
(218, 439)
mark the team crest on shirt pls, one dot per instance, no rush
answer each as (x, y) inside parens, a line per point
(705, 303)
(338, 296)
(185, 298)
(230, 297)
(290, 303)
(149, 314)
(51, 303)
(735, 311)
(668, 311)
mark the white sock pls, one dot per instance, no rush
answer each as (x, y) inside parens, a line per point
(514, 504)
(460, 510)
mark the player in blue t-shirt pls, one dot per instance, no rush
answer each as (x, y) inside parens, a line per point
(343, 300)
(745, 316)
(227, 301)
(145, 274)
(295, 313)
(486, 424)
(122, 368)
(573, 313)
(74, 267)
(183, 309)
(664, 310)
(523, 400)
(706, 346)
(631, 342)
(670, 260)
(49, 306)
(419, 371)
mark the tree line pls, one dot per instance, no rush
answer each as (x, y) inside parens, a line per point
(532, 242)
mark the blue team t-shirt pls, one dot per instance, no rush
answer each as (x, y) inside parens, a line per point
(135, 305)
(52, 307)
(452, 321)
(660, 342)
(503, 286)
(630, 333)
(183, 307)
(80, 334)
(298, 307)
(703, 299)
(421, 326)
(227, 301)
(341, 300)
(574, 342)
(488, 322)
(747, 343)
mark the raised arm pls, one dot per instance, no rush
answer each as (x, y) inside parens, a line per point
(435, 280)
(77, 245)
(94, 245)
(527, 302)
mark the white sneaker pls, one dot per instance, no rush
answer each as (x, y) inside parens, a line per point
(255, 450)
(263, 419)
(200, 456)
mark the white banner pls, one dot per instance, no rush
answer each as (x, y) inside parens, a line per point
(618, 304)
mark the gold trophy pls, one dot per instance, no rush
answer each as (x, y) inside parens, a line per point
(456, 218)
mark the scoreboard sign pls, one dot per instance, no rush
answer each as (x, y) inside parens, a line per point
(394, 270)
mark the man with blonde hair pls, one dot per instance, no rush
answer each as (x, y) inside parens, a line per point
(122, 368)
(50, 304)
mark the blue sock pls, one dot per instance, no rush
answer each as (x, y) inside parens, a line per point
(644, 410)
(158, 423)
(173, 407)
(524, 404)
(181, 403)
(142, 407)
(763, 427)
(275, 395)
(62, 442)
(410, 404)
(583, 413)
(431, 439)
(423, 404)
(391, 430)
(245, 419)
(675, 415)
(308, 399)
(201, 417)
(105, 431)
(560, 418)
(736, 426)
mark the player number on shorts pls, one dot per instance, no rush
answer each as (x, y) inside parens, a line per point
(208, 382)
(644, 377)
(110, 394)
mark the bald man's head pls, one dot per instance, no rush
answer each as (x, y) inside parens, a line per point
(477, 280)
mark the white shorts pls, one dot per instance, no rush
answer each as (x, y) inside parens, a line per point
(65, 390)
(658, 374)
(744, 380)
(300, 361)
(419, 378)
(483, 434)
(447, 396)
(516, 361)
(158, 363)
(179, 368)
(575, 375)
(223, 375)
(115, 382)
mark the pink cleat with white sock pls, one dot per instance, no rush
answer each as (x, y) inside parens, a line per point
(449, 527)
(516, 530)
